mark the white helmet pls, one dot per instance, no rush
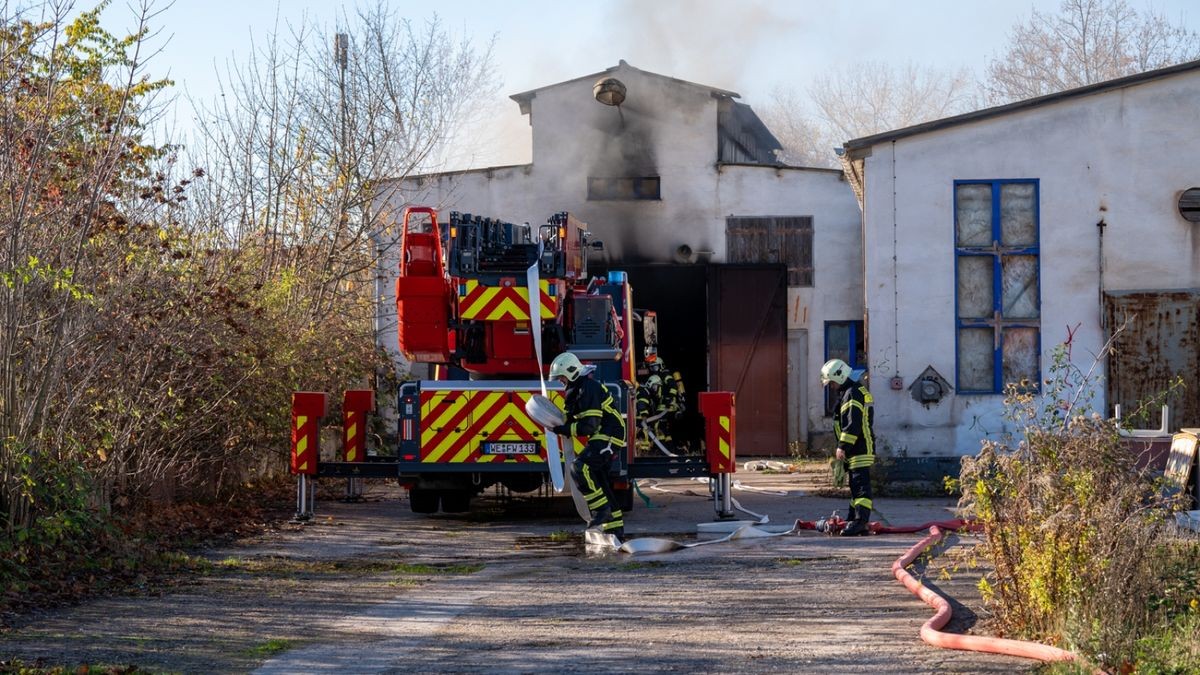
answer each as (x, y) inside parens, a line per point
(566, 365)
(835, 371)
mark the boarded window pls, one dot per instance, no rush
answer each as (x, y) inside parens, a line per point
(624, 189)
(773, 239)
(997, 293)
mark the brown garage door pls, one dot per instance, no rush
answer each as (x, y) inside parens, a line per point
(747, 335)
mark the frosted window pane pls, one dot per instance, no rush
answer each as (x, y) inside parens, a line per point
(976, 350)
(975, 286)
(973, 215)
(1019, 281)
(1017, 209)
(1020, 356)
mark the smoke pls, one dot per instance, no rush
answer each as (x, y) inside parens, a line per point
(705, 41)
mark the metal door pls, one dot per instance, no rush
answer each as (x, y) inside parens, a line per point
(748, 341)
(1157, 341)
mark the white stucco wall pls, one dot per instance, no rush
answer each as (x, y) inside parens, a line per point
(1123, 156)
(669, 129)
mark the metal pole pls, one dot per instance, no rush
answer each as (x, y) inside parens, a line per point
(722, 499)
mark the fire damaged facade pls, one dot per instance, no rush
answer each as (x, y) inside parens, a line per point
(996, 237)
(750, 264)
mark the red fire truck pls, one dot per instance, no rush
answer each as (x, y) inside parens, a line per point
(490, 304)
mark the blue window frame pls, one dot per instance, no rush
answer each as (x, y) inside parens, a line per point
(845, 340)
(997, 268)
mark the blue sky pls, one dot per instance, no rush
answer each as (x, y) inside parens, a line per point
(748, 46)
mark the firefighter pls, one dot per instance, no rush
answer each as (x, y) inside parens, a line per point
(670, 395)
(649, 404)
(590, 412)
(672, 386)
(852, 424)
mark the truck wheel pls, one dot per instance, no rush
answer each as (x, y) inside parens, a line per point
(423, 500)
(456, 501)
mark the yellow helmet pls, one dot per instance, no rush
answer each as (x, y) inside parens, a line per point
(566, 365)
(835, 371)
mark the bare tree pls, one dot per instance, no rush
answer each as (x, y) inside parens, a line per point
(805, 141)
(305, 131)
(863, 99)
(1087, 41)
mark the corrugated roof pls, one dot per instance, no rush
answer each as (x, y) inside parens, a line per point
(987, 113)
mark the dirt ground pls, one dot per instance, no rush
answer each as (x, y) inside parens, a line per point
(370, 587)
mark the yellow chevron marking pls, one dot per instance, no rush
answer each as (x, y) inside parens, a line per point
(303, 467)
(515, 307)
(446, 412)
(723, 446)
(724, 422)
(479, 401)
(301, 445)
(301, 420)
(351, 432)
(507, 309)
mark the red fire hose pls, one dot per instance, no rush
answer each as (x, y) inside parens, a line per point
(931, 633)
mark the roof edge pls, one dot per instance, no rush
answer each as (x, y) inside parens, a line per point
(457, 172)
(861, 143)
(524, 97)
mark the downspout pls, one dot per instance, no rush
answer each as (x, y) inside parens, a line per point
(1100, 273)
(895, 269)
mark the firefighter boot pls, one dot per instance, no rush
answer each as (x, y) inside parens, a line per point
(855, 528)
(599, 517)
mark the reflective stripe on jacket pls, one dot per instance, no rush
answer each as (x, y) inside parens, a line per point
(591, 412)
(854, 426)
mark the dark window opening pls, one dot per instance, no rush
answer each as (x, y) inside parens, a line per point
(773, 239)
(845, 340)
(624, 189)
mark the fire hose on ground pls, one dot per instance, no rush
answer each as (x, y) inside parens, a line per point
(930, 631)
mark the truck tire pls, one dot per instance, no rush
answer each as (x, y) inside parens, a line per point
(423, 500)
(456, 501)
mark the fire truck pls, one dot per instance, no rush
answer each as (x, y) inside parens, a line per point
(489, 304)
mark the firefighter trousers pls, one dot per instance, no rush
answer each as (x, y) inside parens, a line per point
(590, 474)
(860, 494)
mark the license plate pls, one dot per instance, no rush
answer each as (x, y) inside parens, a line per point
(509, 448)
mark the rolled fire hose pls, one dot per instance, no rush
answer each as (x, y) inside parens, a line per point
(554, 458)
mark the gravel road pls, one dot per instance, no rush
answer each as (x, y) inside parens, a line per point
(510, 588)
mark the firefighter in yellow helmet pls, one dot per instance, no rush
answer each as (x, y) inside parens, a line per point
(590, 412)
(852, 424)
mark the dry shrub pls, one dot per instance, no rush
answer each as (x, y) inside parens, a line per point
(1077, 535)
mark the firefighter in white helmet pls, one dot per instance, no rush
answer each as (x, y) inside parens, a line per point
(590, 412)
(852, 424)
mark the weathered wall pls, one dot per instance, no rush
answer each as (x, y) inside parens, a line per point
(1121, 156)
